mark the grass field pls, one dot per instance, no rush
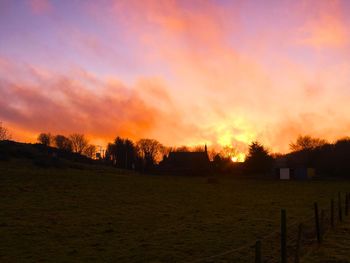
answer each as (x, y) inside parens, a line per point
(335, 248)
(101, 214)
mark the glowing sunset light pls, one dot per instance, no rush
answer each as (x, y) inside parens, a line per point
(240, 157)
(234, 159)
(225, 73)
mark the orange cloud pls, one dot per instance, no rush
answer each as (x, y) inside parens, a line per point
(66, 104)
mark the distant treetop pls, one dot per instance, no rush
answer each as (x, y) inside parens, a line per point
(306, 143)
(4, 133)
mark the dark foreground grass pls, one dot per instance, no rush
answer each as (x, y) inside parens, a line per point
(100, 214)
(335, 248)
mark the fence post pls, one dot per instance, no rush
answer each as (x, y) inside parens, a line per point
(297, 249)
(317, 224)
(346, 204)
(332, 212)
(283, 236)
(339, 208)
(322, 226)
(258, 252)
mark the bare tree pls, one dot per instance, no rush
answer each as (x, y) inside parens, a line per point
(228, 152)
(45, 139)
(4, 133)
(79, 142)
(150, 150)
(63, 143)
(306, 143)
(90, 151)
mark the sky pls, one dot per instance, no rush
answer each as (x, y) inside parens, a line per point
(183, 72)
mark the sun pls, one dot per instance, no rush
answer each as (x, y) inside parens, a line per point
(238, 158)
(234, 159)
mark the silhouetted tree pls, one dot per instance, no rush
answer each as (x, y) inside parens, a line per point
(306, 143)
(90, 151)
(258, 159)
(109, 155)
(341, 157)
(328, 159)
(122, 152)
(130, 154)
(79, 142)
(63, 143)
(4, 133)
(125, 153)
(150, 151)
(228, 152)
(119, 152)
(343, 142)
(45, 139)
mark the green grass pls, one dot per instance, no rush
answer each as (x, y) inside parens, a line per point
(101, 214)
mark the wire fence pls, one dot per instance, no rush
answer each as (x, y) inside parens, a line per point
(293, 240)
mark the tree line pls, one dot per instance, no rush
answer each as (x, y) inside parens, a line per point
(329, 159)
(122, 152)
(142, 155)
(76, 143)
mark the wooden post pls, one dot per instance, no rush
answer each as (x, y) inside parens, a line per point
(322, 227)
(317, 224)
(332, 212)
(346, 204)
(340, 214)
(297, 249)
(258, 252)
(283, 236)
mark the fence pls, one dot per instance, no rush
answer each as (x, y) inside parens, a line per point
(293, 240)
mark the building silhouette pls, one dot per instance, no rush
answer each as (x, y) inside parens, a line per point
(186, 163)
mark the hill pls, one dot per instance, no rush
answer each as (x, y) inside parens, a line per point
(41, 155)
